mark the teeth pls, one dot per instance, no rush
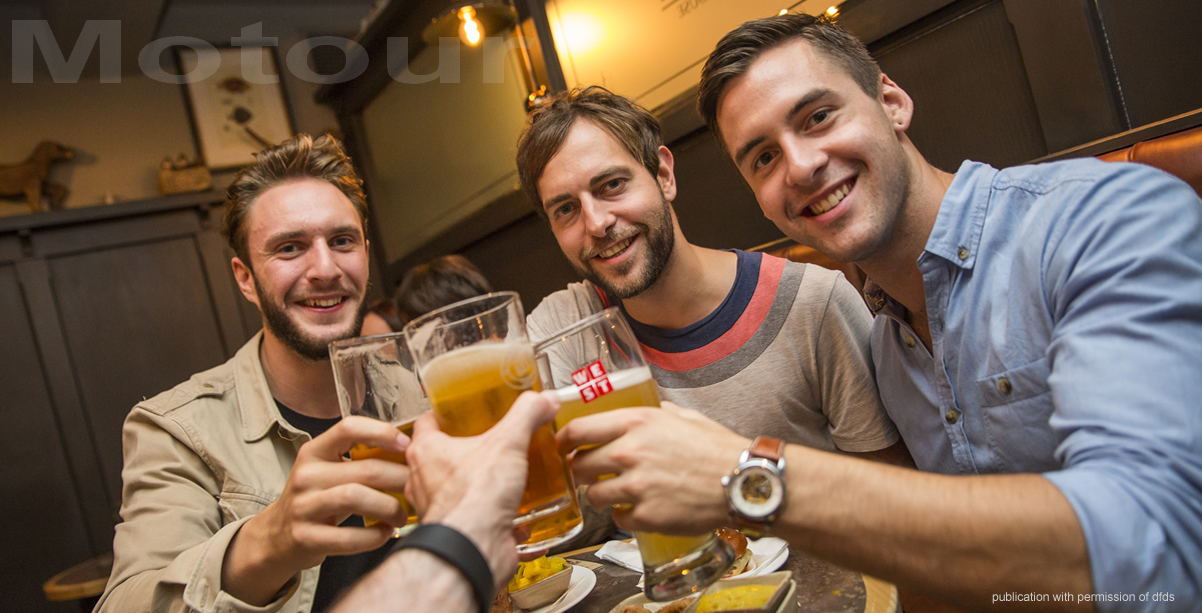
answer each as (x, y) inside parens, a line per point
(328, 302)
(616, 249)
(830, 201)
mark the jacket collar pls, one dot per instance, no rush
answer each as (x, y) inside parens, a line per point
(255, 402)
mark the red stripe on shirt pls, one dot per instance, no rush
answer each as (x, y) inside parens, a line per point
(771, 269)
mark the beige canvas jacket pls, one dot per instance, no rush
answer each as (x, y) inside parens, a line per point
(200, 459)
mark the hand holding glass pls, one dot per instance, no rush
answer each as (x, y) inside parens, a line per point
(475, 360)
(596, 365)
(375, 378)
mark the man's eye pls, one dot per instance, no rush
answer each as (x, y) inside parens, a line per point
(613, 184)
(288, 249)
(343, 241)
(761, 160)
(561, 210)
(819, 117)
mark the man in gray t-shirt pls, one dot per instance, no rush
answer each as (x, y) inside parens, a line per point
(761, 345)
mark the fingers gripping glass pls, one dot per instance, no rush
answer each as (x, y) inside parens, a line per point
(376, 379)
(475, 360)
(596, 365)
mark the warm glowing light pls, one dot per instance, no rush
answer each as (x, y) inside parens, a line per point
(582, 32)
(832, 11)
(783, 12)
(469, 30)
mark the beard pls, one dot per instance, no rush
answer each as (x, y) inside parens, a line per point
(660, 237)
(283, 328)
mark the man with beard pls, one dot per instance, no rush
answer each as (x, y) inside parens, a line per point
(757, 343)
(236, 496)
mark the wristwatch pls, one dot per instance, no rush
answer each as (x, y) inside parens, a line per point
(755, 489)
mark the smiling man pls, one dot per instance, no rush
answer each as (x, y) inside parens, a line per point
(1036, 342)
(235, 493)
(718, 327)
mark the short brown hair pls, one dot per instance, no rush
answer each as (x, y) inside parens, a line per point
(302, 157)
(632, 125)
(437, 283)
(742, 46)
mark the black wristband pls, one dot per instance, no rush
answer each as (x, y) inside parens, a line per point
(458, 551)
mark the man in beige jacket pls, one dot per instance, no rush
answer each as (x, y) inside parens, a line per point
(235, 495)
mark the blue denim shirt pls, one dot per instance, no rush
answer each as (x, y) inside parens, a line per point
(1065, 310)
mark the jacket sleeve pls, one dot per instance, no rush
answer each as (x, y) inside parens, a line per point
(177, 523)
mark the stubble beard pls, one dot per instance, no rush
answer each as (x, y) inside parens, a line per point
(660, 238)
(283, 328)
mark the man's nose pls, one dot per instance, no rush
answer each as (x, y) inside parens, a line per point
(322, 263)
(804, 163)
(598, 220)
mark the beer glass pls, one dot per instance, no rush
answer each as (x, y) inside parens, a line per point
(596, 365)
(375, 378)
(475, 360)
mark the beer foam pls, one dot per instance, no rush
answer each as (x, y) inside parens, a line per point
(620, 380)
(477, 358)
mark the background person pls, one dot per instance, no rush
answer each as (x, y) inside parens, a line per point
(440, 282)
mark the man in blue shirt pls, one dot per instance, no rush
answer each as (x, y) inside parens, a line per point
(1038, 342)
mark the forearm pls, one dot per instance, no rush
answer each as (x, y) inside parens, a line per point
(959, 539)
(411, 580)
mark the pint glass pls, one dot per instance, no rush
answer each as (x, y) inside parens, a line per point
(375, 378)
(475, 360)
(596, 365)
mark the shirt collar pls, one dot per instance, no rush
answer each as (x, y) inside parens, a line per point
(957, 232)
(961, 220)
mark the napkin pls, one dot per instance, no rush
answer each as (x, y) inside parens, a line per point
(627, 554)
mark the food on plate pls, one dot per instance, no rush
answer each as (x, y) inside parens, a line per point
(738, 542)
(534, 571)
(678, 606)
(740, 597)
(631, 608)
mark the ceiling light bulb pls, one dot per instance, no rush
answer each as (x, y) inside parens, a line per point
(783, 12)
(469, 28)
(832, 11)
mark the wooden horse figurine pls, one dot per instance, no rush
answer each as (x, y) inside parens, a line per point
(29, 177)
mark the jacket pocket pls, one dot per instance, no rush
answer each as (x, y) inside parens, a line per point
(237, 502)
(1016, 406)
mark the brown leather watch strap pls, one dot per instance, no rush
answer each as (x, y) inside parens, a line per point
(767, 447)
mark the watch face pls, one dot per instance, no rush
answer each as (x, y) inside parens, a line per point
(757, 492)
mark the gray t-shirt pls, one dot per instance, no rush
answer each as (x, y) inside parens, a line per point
(785, 355)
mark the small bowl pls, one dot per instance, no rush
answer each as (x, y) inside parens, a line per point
(781, 581)
(543, 592)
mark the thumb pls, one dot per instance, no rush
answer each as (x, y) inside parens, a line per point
(529, 412)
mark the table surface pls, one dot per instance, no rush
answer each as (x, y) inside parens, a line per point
(821, 586)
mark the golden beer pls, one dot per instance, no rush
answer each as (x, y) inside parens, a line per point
(471, 389)
(633, 387)
(363, 452)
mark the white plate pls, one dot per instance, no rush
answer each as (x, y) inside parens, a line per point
(774, 553)
(587, 581)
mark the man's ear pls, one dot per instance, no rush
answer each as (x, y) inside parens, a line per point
(899, 108)
(666, 177)
(245, 279)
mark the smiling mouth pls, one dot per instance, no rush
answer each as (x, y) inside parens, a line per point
(830, 202)
(617, 249)
(323, 303)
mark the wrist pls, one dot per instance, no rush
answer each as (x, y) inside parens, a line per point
(249, 570)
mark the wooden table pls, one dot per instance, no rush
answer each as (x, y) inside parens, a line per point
(821, 587)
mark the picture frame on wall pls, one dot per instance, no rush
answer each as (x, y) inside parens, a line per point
(232, 116)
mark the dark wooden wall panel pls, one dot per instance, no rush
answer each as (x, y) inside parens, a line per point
(715, 207)
(971, 96)
(44, 529)
(133, 331)
(1157, 52)
(523, 257)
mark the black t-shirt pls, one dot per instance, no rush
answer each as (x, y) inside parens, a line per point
(337, 572)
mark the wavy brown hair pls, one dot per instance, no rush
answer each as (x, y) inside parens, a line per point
(302, 157)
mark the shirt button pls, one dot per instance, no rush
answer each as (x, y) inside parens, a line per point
(1003, 385)
(962, 253)
(952, 416)
(910, 342)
